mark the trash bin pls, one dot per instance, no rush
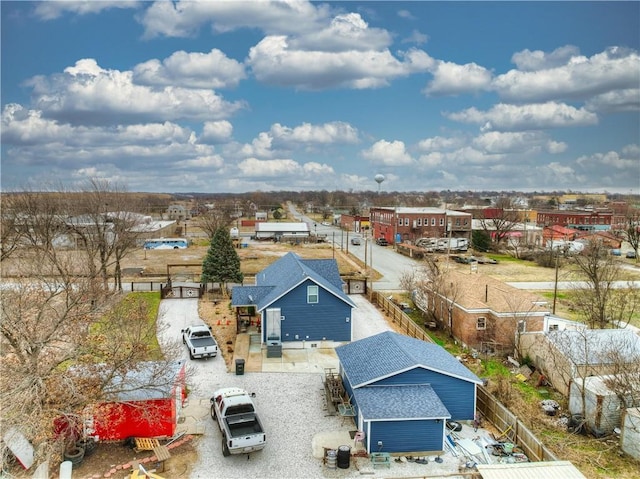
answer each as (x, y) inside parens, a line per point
(239, 367)
(344, 457)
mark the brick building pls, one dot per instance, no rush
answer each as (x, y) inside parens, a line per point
(482, 312)
(577, 219)
(411, 223)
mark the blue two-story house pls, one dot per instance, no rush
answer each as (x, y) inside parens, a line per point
(301, 303)
(404, 390)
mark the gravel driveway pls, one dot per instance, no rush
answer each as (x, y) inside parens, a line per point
(291, 407)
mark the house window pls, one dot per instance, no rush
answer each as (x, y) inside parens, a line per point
(553, 327)
(312, 294)
(406, 221)
(419, 221)
(441, 221)
(433, 221)
(481, 323)
(399, 221)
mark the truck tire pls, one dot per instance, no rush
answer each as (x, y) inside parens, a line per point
(213, 413)
(225, 448)
(74, 454)
(190, 355)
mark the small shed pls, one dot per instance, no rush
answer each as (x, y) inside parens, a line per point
(630, 437)
(272, 230)
(602, 406)
(403, 390)
(145, 402)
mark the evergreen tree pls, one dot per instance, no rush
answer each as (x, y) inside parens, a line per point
(222, 263)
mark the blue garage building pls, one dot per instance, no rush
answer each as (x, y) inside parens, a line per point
(404, 390)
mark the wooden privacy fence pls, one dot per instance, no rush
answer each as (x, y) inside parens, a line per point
(509, 425)
(498, 415)
(399, 317)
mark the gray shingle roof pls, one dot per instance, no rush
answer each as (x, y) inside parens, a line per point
(387, 354)
(284, 274)
(400, 402)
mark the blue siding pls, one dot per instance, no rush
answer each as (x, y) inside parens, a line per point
(457, 395)
(406, 436)
(313, 322)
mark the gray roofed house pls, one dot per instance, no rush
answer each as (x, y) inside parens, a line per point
(301, 302)
(403, 390)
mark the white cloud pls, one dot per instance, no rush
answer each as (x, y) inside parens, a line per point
(53, 10)
(431, 160)
(438, 143)
(346, 32)
(452, 79)
(201, 162)
(526, 117)
(184, 18)
(579, 78)
(511, 142)
(555, 147)
(327, 133)
(260, 146)
(388, 153)
(281, 168)
(615, 101)
(216, 131)
(628, 161)
(528, 60)
(191, 70)
(416, 37)
(89, 94)
(273, 61)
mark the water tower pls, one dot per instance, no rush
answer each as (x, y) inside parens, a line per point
(379, 179)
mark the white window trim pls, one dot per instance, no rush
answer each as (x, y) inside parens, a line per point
(311, 294)
(484, 321)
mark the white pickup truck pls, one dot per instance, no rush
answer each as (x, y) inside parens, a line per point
(200, 341)
(235, 412)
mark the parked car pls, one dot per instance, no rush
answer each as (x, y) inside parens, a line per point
(200, 341)
(325, 223)
(382, 242)
(486, 260)
(616, 252)
(356, 241)
(631, 254)
(464, 259)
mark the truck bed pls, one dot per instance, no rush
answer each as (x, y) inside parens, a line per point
(202, 342)
(243, 425)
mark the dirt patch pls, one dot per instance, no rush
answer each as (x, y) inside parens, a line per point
(117, 460)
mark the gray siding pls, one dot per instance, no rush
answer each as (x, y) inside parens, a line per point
(457, 395)
(407, 436)
(314, 322)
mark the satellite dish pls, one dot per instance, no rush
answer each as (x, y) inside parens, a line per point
(379, 179)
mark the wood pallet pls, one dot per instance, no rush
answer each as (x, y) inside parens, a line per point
(146, 444)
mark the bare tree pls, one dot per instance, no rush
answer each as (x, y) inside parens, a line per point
(632, 230)
(435, 290)
(499, 221)
(217, 217)
(62, 337)
(596, 298)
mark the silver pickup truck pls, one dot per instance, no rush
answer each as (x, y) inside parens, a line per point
(200, 341)
(235, 412)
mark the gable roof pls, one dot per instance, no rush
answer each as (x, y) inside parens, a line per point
(594, 346)
(400, 402)
(386, 354)
(483, 293)
(285, 274)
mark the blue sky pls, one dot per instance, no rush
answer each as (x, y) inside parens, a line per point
(233, 96)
